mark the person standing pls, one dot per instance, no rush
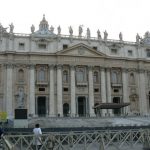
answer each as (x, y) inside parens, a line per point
(37, 137)
(1, 132)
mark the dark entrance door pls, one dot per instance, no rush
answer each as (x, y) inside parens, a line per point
(117, 111)
(81, 106)
(41, 106)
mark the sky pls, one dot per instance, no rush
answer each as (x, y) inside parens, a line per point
(127, 16)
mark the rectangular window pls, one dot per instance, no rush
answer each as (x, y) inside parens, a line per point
(41, 89)
(21, 46)
(42, 46)
(130, 53)
(148, 52)
(65, 89)
(114, 51)
(116, 90)
(96, 90)
(65, 46)
(95, 48)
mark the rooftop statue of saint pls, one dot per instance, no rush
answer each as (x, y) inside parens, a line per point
(137, 38)
(120, 36)
(99, 35)
(52, 29)
(70, 30)
(105, 35)
(147, 34)
(2, 29)
(11, 28)
(88, 33)
(59, 30)
(80, 30)
(32, 28)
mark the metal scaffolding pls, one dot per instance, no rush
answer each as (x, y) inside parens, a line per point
(85, 140)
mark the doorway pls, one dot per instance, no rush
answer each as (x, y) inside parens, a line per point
(82, 106)
(117, 111)
(41, 106)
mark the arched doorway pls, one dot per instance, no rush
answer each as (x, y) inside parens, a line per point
(65, 109)
(81, 106)
(117, 111)
(41, 106)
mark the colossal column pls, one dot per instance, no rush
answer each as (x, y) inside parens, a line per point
(73, 104)
(51, 92)
(125, 88)
(32, 91)
(91, 92)
(109, 90)
(59, 90)
(142, 93)
(9, 90)
(103, 89)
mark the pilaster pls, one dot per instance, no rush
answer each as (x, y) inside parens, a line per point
(103, 89)
(91, 91)
(73, 104)
(59, 91)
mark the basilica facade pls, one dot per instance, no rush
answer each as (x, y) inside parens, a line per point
(53, 75)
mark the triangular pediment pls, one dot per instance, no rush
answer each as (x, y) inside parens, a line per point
(81, 50)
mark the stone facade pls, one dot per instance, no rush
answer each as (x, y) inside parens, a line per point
(53, 75)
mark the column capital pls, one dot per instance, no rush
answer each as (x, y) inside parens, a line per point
(90, 67)
(59, 66)
(31, 66)
(102, 68)
(9, 65)
(141, 70)
(51, 66)
(125, 70)
(72, 67)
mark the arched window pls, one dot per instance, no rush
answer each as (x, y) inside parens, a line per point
(95, 77)
(114, 77)
(20, 75)
(80, 75)
(41, 75)
(65, 76)
(66, 109)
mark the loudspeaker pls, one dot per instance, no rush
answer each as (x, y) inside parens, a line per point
(20, 113)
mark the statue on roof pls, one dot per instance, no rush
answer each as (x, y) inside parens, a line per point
(52, 29)
(2, 29)
(105, 35)
(120, 36)
(70, 30)
(11, 28)
(137, 38)
(59, 30)
(32, 28)
(147, 34)
(88, 33)
(80, 30)
(99, 35)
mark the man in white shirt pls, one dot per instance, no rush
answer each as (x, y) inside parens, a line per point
(37, 136)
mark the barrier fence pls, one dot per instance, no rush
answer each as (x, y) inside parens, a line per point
(85, 140)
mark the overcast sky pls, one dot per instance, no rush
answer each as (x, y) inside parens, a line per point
(127, 16)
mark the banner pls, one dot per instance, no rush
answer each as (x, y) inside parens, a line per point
(3, 116)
